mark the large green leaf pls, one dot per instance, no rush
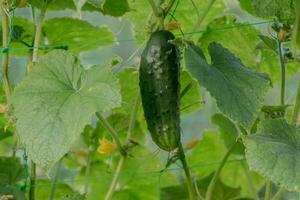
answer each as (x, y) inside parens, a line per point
(239, 92)
(11, 171)
(284, 10)
(56, 100)
(78, 35)
(274, 153)
(229, 133)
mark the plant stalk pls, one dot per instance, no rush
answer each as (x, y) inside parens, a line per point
(117, 174)
(279, 194)
(268, 191)
(53, 183)
(189, 181)
(32, 181)
(212, 184)
(283, 72)
(112, 133)
(250, 181)
(294, 45)
(121, 162)
(87, 171)
(38, 33)
(5, 57)
(157, 12)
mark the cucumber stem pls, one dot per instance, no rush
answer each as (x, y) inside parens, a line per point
(268, 191)
(189, 181)
(112, 133)
(120, 166)
(283, 71)
(5, 58)
(215, 178)
(38, 33)
(32, 181)
(279, 194)
(54, 180)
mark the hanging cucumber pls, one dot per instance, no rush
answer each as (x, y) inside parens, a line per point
(160, 89)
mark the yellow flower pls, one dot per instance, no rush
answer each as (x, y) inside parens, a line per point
(282, 35)
(106, 147)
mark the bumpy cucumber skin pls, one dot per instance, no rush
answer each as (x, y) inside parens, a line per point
(160, 89)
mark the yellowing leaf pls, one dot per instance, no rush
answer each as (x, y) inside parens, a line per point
(106, 147)
(3, 108)
(172, 26)
(191, 144)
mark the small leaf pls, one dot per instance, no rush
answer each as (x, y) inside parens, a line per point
(239, 92)
(229, 133)
(57, 100)
(274, 153)
(270, 43)
(106, 147)
(115, 8)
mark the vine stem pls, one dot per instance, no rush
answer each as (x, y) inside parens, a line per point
(112, 133)
(5, 58)
(189, 181)
(250, 181)
(268, 190)
(38, 33)
(121, 162)
(215, 178)
(32, 181)
(157, 12)
(294, 44)
(87, 171)
(283, 71)
(53, 183)
(279, 194)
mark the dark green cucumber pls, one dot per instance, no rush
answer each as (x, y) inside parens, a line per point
(160, 89)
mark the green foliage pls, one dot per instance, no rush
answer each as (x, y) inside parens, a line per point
(74, 196)
(283, 10)
(76, 33)
(229, 133)
(239, 92)
(12, 191)
(11, 171)
(221, 192)
(59, 97)
(273, 152)
(43, 189)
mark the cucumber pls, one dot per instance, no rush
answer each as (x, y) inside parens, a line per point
(160, 89)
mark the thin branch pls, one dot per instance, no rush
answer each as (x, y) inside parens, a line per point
(212, 184)
(120, 166)
(32, 181)
(38, 33)
(268, 191)
(5, 57)
(283, 72)
(53, 183)
(112, 133)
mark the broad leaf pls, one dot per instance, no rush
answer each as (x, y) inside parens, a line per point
(229, 133)
(56, 100)
(274, 153)
(53, 4)
(239, 92)
(284, 10)
(78, 35)
(11, 171)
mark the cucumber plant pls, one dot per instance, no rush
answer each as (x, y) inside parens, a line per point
(102, 99)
